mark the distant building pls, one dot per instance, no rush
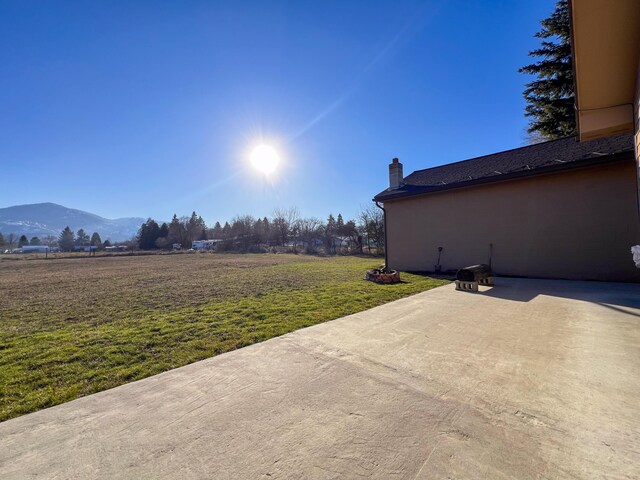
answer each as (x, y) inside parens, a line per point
(35, 249)
(115, 248)
(85, 248)
(204, 244)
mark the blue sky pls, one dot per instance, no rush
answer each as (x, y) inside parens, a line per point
(149, 108)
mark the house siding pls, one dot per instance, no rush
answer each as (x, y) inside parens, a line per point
(578, 224)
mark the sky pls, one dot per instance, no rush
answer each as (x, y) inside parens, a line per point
(150, 108)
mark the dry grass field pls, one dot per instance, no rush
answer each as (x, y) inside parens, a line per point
(74, 326)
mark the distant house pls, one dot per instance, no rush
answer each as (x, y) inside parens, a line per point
(115, 248)
(85, 248)
(558, 209)
(35, 249)
(205, 244)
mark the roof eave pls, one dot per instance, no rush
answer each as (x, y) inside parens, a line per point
(605, 42)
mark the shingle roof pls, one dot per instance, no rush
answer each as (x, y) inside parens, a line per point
(536, 159)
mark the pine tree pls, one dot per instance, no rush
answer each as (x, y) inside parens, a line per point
(216, 233)
(23, 241)
(66, 240)
(330, 233)
(35, 241)
(82, 237)
(340, 226)
(177, 232)
(96, 241)
(226, 231)
(1, 240)
(550, 98)
(148, 234)
(164, 231)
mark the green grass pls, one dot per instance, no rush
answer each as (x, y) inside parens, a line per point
(77, 326)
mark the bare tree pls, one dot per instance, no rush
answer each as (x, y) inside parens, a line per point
(372, 226)
(311, 230)
(50, 241)
(285, 224)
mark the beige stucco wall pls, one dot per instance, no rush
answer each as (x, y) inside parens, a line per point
(578, 224)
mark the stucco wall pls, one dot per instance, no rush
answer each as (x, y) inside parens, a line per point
(578, 224)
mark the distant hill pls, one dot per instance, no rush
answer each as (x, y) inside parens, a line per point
(42, 219)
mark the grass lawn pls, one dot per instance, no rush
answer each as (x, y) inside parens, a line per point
(75, 326)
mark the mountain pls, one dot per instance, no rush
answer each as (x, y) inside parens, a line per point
(42, 219)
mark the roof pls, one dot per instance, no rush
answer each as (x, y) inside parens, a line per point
(540, 158)
(605, 46)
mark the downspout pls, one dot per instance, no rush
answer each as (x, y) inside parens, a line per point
(386, 244)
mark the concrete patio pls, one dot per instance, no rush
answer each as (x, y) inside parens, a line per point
(530, 379)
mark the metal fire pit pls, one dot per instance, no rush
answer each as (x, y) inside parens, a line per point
(382, 275)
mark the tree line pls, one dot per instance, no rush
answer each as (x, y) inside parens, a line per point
(66, 241)
(284, 228)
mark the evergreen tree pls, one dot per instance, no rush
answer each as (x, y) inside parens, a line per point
(258, 231)
(193, 227)
(66, 240)
(330, 234)
(1, 240)
(82, 238)
(96, 241)
(164, 231)
(550, 98)
(23, 241)
(350, 230)
(216, 232)
(177, 233)
(35, 241)
(148, 234)
(340, 225)
(226, 231)
(107, 243)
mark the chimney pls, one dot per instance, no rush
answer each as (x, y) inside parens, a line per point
(395, 175)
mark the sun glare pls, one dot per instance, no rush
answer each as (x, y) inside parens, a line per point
(265, 159)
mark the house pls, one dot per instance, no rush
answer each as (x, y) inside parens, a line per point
(567, 208)
(606, 51)
(558, 209)
(35, 249)
(116, 248)
(204, 244)
(85, 248)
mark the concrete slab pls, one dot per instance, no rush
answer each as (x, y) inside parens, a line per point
(530, 379)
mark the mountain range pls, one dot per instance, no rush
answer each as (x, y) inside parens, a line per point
(42, 219)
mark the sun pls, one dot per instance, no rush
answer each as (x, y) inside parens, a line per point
(265, 159)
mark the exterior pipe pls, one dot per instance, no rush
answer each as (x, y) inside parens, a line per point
(386, 245)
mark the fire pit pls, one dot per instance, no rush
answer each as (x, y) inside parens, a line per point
(382, 275)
